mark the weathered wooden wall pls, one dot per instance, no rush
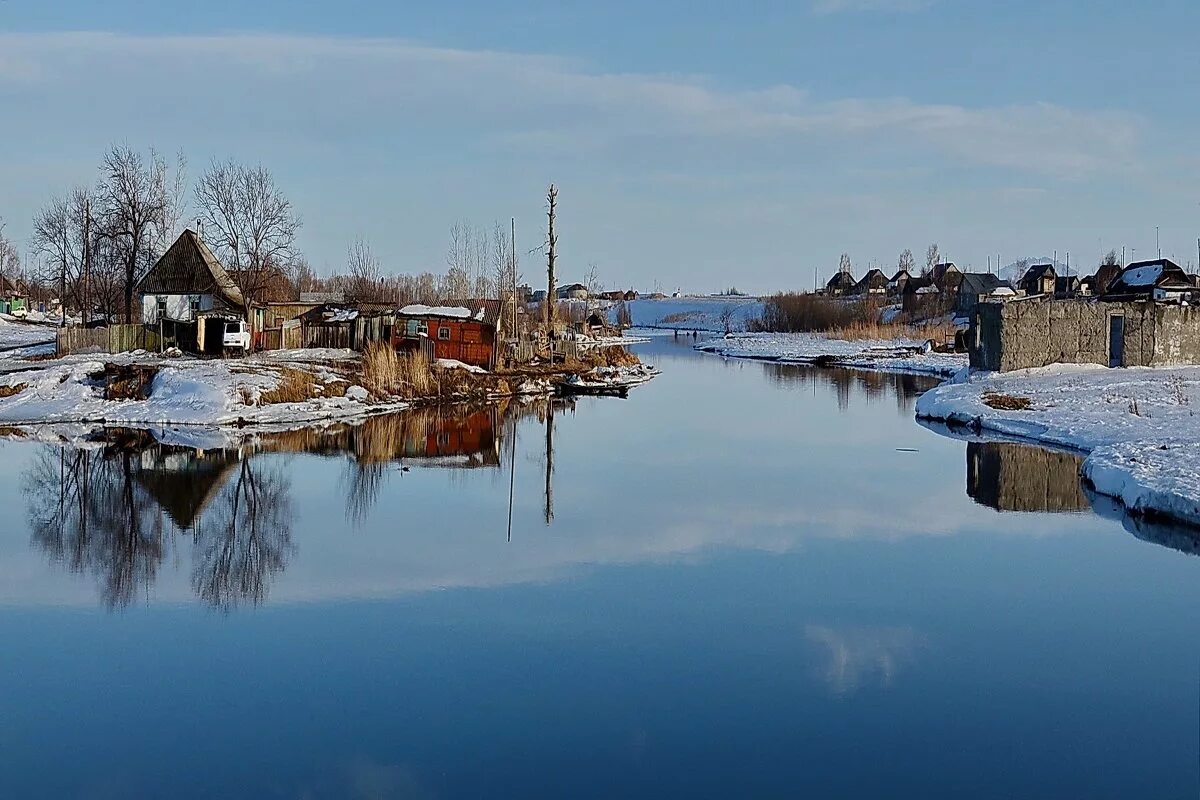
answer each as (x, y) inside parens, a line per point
(113, 339)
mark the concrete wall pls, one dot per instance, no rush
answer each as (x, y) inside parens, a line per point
(1039, 331)
(1177, 339)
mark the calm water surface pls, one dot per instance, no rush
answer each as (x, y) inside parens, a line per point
(747, 580)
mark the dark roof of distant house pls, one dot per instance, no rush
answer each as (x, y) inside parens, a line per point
(1066, 283)
(873, 278)
(982, 283)
(1037, 272)
(1142, 277)
(572, 287)
(900, 273)
(189, 267)
(841, 278)
(941, 269)
(7, 287)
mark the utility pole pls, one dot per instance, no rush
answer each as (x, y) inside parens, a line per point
(87, 260)
(1157, 242)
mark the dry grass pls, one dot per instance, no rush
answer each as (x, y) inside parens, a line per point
(386, 373)
(1006, 402)
(857, 331)
(609, 357)
(295, 386)
(9, 391)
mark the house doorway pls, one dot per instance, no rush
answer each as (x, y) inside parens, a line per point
(1116, 341)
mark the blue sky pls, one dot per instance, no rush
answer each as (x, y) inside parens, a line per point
(696, 145)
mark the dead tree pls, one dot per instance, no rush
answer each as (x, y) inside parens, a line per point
(551, 255)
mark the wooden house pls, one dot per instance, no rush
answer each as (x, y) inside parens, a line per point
(978, 287)
(1039, 279)
(12, 300)
(841, 283)
(1161, 279)
(873, 283)
(897, 282)
(922, 297)
(946, 276)
(463, 330)
(572, 291)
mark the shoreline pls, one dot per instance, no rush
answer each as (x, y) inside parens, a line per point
(1133, 427)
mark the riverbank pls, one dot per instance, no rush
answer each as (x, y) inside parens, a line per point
(888, 355)
(1137, 426)
(290, 387)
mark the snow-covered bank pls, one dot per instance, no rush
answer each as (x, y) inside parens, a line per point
(185, 391)
(693, 313)
(1138, 426)
(897, 355)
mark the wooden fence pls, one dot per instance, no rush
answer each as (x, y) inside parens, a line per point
(113, 339)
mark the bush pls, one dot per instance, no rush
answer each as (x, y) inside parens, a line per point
(790, 312)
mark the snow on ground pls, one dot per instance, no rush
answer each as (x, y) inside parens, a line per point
(895, 355)
(594, 342)
(14, 334)
(1137, 425)
(693, 313)
(186, 391)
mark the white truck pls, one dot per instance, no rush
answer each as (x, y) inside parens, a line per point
(237, 337)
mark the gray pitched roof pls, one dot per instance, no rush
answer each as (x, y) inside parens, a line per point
(189, 267)
(981, 283)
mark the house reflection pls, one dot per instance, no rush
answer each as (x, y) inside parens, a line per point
(872, 386)
(118, 508)
(1017, 477)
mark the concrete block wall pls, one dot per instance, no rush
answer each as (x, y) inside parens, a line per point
(1040, 331)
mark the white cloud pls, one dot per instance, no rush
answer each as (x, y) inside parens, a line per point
(337, 88)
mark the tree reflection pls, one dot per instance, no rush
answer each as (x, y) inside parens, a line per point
(247, 539)
(111, 512)
(88, 513)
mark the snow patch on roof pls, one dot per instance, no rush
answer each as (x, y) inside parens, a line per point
(421, 310)
(1142, 276)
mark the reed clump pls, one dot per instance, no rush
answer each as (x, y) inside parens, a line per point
(386, 373)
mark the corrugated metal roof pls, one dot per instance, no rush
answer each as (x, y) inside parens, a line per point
(189, 267)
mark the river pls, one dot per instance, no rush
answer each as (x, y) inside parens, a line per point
(745, 580)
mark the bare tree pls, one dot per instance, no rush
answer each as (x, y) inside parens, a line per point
(844, 263)
(726, 318)
(1111, 259)
(133, 195)
(458, 260)
(366, 274)
(591, 280)
(10, 256)
(255, 225)
(907, 262)
(932, 258)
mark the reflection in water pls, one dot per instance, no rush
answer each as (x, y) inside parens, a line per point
(1157, 530)
(853, 658)
(116, 510)
(1019, 477)
(905, 388)
(89, 513)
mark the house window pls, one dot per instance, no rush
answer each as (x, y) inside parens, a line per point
(162, 307)
(443, 333)
(195, 302)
